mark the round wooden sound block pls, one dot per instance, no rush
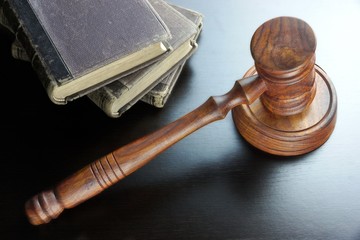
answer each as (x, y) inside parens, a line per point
(290, 135)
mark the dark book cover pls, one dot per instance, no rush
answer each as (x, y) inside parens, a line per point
(117, 97)
(158, 95)
(79, 46)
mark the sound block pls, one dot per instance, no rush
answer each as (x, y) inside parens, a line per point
(290, 135)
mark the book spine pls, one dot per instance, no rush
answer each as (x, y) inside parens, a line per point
(103, 99)
(18, 52)
(16, 14)
(160, 93)
(159, 98)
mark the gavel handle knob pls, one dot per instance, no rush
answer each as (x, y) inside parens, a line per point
(109, 169)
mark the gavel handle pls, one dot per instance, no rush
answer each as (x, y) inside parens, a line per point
(109, 169)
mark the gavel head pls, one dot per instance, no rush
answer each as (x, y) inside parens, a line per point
(297, 113)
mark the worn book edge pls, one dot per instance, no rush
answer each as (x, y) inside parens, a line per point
(159, 95)
(115, 107)
(160, 76)
(59, 93)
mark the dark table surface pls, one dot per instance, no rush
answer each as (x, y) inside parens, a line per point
(210, 185)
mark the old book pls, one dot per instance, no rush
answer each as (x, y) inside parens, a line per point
(117, 97)
(76, 47)
(159, 95)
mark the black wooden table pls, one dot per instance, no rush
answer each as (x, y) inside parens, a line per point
(210, 185)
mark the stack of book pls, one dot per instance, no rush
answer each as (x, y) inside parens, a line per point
(114, 52)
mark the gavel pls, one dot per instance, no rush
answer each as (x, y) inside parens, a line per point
(285, 105)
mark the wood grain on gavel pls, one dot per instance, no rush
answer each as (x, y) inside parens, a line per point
(290, 117)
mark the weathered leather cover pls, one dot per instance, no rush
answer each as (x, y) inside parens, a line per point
(66, 40)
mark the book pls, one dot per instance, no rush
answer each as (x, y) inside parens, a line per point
(76, 47)
(161, 92)
(117, 97)
(159, 95)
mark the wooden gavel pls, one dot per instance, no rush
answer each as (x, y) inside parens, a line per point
(285, 105)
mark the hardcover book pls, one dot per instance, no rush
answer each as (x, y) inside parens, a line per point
(117, 97)
(76, 47)
(159, 95)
